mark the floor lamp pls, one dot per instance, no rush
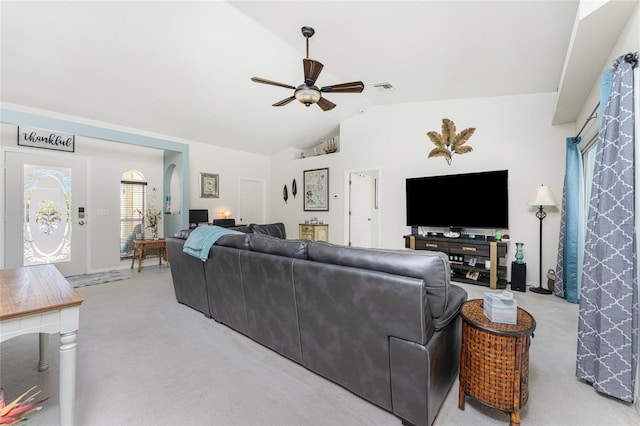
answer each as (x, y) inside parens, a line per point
(542, 197)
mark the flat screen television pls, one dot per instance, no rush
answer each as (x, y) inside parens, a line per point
(198, 216)
(471, 200)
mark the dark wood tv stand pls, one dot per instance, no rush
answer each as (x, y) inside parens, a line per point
(461, 252)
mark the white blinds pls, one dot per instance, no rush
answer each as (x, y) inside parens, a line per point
(133, 196)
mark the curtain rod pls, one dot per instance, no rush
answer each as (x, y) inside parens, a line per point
(593, 115)
(632, 58)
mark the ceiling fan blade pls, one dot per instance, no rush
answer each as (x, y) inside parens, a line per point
(353, 87)
(271, 82)
(312, 70)
(284, 101)
(325, 104)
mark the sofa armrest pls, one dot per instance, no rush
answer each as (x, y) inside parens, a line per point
(457, 296)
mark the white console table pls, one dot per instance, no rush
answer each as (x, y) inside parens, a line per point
(38, 299)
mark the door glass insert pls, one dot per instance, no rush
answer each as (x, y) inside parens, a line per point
(47, 215)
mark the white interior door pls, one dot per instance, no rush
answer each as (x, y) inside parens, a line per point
(251, 199)
(360, 209)
(45, 204)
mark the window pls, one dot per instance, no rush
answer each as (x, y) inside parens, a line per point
(133, 197)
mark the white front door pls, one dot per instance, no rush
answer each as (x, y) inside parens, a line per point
(251, 202)
(360, 210)
(46, 211)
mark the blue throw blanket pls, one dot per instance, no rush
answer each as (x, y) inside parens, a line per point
(202, 238)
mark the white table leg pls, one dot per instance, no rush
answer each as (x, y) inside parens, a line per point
(68, 346)
(43, 363)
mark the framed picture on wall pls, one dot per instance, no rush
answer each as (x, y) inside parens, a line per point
(316, 190)
(209, 185)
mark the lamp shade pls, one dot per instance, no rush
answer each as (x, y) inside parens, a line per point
(542, 196)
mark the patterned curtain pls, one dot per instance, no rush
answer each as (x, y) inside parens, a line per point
(567, 283)
(608, 313)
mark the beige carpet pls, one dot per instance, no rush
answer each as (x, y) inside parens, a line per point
(144, 359)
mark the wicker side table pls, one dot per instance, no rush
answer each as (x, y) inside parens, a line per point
(494, 361)
(143, 249)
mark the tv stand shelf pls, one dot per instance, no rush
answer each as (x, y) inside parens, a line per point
(467, 258)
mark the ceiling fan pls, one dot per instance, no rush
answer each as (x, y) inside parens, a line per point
(308, 93)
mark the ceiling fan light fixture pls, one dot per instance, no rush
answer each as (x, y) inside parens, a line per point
(307, 95)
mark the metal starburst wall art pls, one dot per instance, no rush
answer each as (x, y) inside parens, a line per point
(448, 142)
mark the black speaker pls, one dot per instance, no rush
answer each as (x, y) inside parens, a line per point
(518, 276)
(414, 230)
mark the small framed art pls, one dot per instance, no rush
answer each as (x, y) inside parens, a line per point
(209, 185)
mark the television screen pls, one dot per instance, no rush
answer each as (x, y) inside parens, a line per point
(198, 216)
(472, 200)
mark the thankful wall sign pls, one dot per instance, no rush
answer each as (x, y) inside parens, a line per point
(47, 139)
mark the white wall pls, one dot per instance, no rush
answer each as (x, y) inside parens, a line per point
(108, 160)
(512, 132)
(230, 165)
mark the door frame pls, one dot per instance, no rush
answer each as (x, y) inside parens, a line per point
(347, 201)
(3, 182)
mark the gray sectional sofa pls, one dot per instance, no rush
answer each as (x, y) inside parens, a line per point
(384, 324)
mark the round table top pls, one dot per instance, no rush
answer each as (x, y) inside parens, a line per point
(472, 312)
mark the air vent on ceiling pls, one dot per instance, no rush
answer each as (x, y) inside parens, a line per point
(384, 86)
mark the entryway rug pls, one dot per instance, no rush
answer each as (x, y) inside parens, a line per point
(85, 280)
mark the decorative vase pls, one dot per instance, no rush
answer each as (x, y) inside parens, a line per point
(519, 255)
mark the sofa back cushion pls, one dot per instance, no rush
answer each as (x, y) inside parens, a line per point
(273, 229)
(183, 235)
(431, 267)
(239, 241)
(242, 228)
(273, 245)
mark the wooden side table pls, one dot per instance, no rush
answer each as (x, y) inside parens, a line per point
(143, 249)
(494, 361)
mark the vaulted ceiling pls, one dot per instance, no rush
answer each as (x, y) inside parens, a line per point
(183, 69)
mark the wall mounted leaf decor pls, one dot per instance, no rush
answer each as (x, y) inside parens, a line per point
(448, 142)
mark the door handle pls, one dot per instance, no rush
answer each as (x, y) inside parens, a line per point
(81, 222)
